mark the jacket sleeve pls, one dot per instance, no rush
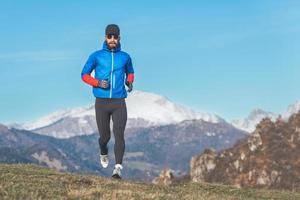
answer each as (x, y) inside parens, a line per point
(129, 71)
(87, 70)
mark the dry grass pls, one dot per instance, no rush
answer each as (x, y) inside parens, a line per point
(33, 182)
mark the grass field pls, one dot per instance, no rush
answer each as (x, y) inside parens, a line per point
(34, 182)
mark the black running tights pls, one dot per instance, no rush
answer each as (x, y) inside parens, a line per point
(105, 108)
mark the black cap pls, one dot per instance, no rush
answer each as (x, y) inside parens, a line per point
(112, 29)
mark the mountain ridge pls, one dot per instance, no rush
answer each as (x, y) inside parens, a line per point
(148, 150)
(256, 115)
(144, 110)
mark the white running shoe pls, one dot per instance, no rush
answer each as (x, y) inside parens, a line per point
(104, 160)
(117, 171)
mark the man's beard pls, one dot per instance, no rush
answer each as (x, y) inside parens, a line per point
(112, 44)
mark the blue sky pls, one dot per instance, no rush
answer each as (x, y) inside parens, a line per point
(222, 57)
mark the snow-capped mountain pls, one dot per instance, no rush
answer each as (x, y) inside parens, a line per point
(160, 110)
(293, 108)
(144, 109)
(249, 123)
(79, 113)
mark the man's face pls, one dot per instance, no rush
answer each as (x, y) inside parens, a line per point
(112, 41)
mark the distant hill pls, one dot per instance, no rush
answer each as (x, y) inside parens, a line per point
(33, 182)
(148, 150)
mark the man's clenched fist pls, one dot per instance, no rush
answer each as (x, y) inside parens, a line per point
(129, 85)
(103, 84)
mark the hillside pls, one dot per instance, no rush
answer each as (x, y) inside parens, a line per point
(148, 150)
(269, 158)
(33, 182)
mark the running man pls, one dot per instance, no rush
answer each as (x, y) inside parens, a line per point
(113, 68)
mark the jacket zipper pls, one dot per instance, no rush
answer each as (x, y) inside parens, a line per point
(111, 74)
(114, 80)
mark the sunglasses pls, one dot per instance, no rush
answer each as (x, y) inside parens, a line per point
(112, 35)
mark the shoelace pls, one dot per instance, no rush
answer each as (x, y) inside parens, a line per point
(104, 158)
(118, 170)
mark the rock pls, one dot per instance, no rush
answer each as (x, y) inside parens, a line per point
(254, 141)
(268, 158)
(202, 165)
(166, 177)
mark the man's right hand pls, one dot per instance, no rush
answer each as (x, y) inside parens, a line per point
(103, 84)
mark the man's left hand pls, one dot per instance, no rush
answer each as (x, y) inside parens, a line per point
(129, 85)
